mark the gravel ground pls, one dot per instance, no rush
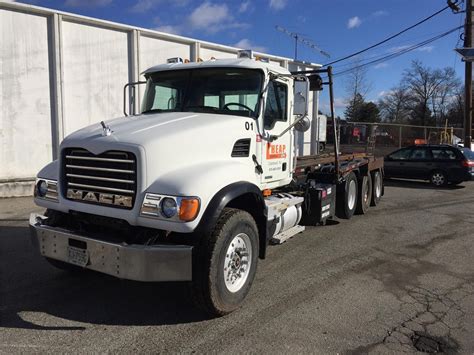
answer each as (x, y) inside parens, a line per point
(399, 279)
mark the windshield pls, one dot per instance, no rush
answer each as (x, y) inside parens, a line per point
(229, 91)
(469, 154)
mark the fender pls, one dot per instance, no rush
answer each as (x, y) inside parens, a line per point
(224, 197)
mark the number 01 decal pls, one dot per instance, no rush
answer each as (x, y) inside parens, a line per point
(249, 126)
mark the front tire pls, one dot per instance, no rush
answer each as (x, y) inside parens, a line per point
(225, 262)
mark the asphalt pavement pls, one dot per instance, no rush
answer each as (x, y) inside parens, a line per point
(399, 279)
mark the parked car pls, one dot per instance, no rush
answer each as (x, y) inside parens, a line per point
(440, 164)
(469, 154)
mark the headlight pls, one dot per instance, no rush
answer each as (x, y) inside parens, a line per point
(174, 208)
(46, 189)
(42, 188)
(169, 208)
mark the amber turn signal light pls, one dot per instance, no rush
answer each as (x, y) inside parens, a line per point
(189, 209)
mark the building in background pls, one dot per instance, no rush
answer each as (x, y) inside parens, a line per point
(60, 72)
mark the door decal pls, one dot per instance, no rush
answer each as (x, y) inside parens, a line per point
(276, 151)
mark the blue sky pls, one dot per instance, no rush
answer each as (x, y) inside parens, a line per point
(339, 27)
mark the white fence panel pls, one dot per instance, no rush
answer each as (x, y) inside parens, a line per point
(95, 69)
(25, 119)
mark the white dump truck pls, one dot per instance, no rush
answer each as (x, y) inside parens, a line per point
(196, 185)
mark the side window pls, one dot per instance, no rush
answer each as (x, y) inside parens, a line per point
(443, 154)
(420, 154)
(275, 106)
(165, 98)
(402, 154)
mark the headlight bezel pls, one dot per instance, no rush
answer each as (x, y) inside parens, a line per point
(152, 207)
(51, 193)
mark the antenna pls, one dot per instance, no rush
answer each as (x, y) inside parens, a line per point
(298, 37)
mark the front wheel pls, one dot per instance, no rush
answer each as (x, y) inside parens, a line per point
(225, 262)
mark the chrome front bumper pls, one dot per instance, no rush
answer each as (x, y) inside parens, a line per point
(125, 261)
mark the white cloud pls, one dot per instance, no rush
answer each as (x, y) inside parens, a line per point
(277, 4)
(381, 65)
(87, 3)
(208, 14)
(398, 48)
(339, 102)
(247, 44)
(384, 93)
(244, 6)
(427, 49)
(168, 29)
(146, 5)
(207, 17)
(354, 22)
(379, 13)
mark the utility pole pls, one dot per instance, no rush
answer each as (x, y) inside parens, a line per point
(468, 78)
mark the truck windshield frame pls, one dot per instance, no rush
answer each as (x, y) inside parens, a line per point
(225, 91)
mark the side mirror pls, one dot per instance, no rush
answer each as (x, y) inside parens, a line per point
(131, 97)
(303, 124)
(301, 94)
(315, 82)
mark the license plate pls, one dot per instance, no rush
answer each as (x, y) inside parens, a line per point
(78, 256)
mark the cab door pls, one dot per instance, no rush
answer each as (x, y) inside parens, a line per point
(276, 156)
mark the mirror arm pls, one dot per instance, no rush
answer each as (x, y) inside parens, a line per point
(275, 137)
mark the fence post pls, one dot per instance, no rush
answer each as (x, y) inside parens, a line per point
(400, 137)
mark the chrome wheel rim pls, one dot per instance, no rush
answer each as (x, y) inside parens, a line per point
(352, 195)
(378, 185)
(237, 262)
(367, 192)
(437, 179)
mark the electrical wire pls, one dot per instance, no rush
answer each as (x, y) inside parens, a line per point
(387, 39)
(399, 53)
(400, 44)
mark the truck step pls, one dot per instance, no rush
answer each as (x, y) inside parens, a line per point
(284, 236)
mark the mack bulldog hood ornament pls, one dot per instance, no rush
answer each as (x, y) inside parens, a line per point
(106, 131)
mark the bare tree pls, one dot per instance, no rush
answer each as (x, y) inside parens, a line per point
(357, 82)
(394, 106)
(428, 90)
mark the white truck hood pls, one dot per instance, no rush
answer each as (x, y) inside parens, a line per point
(167, 142)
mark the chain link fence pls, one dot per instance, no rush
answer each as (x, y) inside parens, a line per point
(383, 138)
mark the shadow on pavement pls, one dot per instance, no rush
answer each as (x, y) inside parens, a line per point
(416, 184)
(29, 285)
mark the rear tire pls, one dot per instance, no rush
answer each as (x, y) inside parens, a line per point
(377, 187)
(438, 178)
(347, 197)
(365, 194)
(225, 262)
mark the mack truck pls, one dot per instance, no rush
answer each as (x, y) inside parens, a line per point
(197, 183)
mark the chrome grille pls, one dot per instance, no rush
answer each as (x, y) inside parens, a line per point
(109, 178)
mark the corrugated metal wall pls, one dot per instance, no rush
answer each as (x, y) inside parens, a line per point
(60, 72)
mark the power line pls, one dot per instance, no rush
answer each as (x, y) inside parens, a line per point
(387, 39)
(401, 45)
(399, 53)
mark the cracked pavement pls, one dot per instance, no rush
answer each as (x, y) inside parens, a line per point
(400, 279)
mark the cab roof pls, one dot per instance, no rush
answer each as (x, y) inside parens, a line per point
(243, 63)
